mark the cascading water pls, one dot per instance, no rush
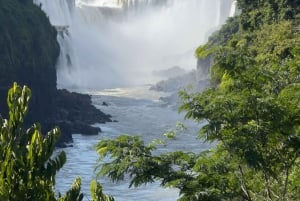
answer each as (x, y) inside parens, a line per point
(233, 10)
(115, 43)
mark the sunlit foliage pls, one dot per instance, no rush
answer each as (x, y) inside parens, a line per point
(28, 164)
(252, 114)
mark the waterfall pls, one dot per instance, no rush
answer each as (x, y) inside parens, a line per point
(59, 11)
(233, 9)
(114, 43)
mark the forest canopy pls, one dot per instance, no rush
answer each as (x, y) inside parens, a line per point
(252, 110)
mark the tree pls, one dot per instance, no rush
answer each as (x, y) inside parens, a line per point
(27, 169)
(254, 110)
(252, 114)
(27, 164)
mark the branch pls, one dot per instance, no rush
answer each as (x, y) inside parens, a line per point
(267, 185)
(243, 186)
(286, 183)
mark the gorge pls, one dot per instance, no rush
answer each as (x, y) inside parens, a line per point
(120, 43)
(29, 53)
(109, 44)
(235, 136)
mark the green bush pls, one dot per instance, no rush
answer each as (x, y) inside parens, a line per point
(27, 162)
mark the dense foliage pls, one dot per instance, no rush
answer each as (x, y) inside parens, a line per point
(252, 113)
(28, 164)
(28, 55)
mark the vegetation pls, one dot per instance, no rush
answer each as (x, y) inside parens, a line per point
(27, 162)
(29, 51)
(252, 113)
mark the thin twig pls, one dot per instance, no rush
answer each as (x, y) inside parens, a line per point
(243, 186)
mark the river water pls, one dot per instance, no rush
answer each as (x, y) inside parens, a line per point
(138, 112)
(107, 44)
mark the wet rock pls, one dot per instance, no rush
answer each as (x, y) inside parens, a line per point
(104, 103)
(75, 114)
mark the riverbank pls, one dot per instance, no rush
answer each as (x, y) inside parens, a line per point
(75, 114)
(28, 56)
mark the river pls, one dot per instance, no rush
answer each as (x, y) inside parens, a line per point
(138, 112)
(113, 43)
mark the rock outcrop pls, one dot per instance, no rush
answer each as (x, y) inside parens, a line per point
(75, 114)
(28, 55)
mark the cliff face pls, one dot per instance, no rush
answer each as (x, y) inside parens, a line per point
(28, 55)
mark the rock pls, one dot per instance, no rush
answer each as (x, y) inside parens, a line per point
(28, 56)
(104, 103)
(175, 71)
(29, 51)
(75, 114)
(78, 107)
(176, 83)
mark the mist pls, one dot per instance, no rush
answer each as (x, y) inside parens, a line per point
(109, 44)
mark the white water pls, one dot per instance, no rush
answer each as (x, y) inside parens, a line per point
(111, 44)
(233, 10)
(139, 113)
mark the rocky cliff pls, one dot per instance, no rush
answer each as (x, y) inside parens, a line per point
(28, 54)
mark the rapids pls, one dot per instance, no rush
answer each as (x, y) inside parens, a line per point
(117, 45)
(139, 112)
